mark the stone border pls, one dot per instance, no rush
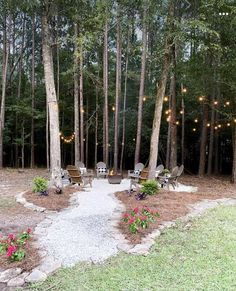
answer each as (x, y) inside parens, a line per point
(15, 278)
(20, 199)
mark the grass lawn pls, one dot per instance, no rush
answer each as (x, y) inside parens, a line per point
(200, 255)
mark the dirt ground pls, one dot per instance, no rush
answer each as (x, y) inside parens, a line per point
(15, 218)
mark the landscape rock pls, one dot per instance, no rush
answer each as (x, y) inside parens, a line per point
(124, 247)
(36, 276)
(8, 274)
(49, 265)
(18, 281)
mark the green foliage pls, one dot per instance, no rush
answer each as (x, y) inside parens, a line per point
(40, 184)
(150, 187)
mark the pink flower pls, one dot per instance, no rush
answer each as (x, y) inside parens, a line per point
(11, 236)
(143, 217)
(125, 215)
(135, 210)
(131, 220)
(29, 230)
(11, 250)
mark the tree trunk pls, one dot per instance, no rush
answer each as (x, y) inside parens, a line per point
(234, 154)
(173, 126)
(96, 129)
(203, 142)
(105, 92)
(32, 95)
(211, 140)
(23, 145)
(124, 105)
(76, 98)
(160, 96)
(4, 79)
(55, 149)
(47, 138)
(141, 88)
(81, 104)
(118, 89)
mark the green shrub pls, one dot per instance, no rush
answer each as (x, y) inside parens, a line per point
(150, 187)
(40, 184)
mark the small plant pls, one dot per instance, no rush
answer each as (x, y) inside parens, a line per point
(40, 185)
(150, 187)
(137, 219)
(165, 172)
(13, 246)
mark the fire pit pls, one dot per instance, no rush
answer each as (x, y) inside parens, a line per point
(114, 178)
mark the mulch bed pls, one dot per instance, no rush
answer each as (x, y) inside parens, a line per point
(172, 205)
(53, 201)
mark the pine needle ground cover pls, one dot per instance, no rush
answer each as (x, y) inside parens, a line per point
(198, 255)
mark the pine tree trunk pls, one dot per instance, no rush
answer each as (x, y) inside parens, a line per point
(233, 178)
(211, 140)
(47, 138)
(173, 126)
(81, 104)
(4, 79)
(160, 96)
(32, 95)
(118, 90)
(124, 105)
(141, 88)
(105, 91)
(203, 142)
(76, 97)
(55, 149)
(96, 129)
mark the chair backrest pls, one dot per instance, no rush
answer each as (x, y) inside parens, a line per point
(74, 174)
(138, 168)
(180, 170)
(101, 165)
(174, 171)
(81, 165)
(159, 168)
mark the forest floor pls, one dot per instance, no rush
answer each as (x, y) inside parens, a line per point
(15, 218)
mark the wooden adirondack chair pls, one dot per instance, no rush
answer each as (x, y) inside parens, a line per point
(75, 176)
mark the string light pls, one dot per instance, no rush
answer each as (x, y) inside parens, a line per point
(194, 129)
(166, 98)
(215, 102)
(201, 98)
(216, 127)
(168, 119)
(67, 139)
(181, 112)
(196, 120)
(113, 108)
(177, 123)
(184, 90)
(227, 103)
(235, 120)
(144, 98)
(208, 124)
(219, 125)
(228, 124)
(167, 112)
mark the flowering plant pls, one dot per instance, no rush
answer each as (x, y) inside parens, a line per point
(139, 218)
(14, 245)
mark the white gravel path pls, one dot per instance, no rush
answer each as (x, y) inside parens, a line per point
(85, 232)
